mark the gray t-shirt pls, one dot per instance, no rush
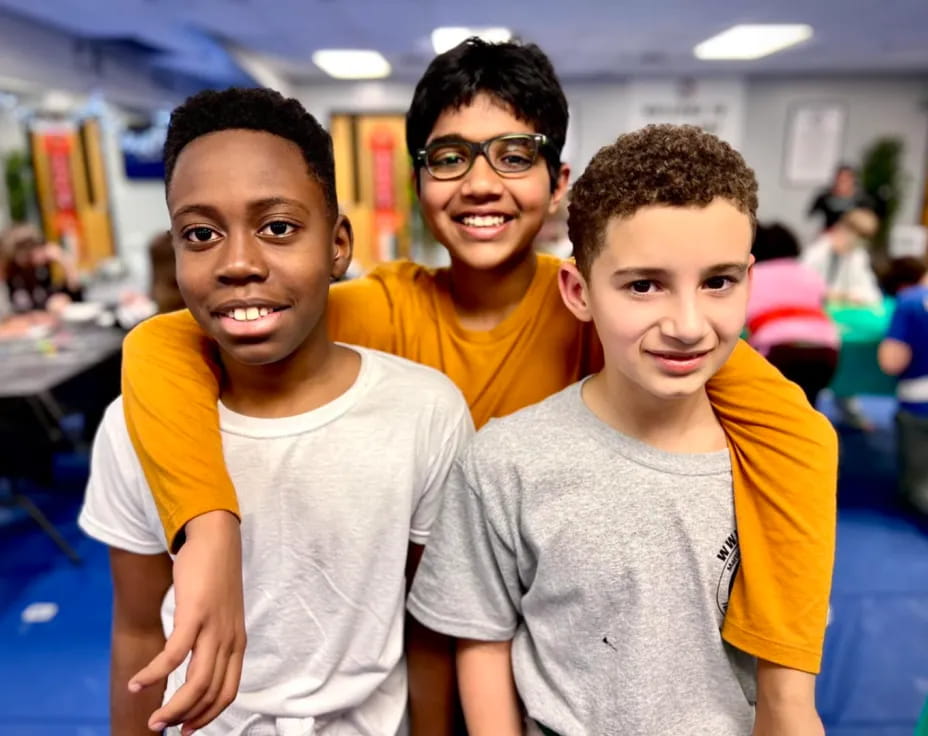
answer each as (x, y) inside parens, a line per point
(607, 562)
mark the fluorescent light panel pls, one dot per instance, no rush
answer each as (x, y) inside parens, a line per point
(352, 63)
(446, 38)
(752, 41)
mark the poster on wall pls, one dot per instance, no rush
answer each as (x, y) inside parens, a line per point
(715, 105)
(814, 141)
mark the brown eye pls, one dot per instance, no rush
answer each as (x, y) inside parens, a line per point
(200, 234)
(278, 229)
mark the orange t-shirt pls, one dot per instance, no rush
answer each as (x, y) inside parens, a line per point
(784, 454)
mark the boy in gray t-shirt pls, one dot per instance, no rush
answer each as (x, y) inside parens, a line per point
(586, 545)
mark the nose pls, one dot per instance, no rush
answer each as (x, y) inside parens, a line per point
(241, 260)
(482, 181)
(685, 321)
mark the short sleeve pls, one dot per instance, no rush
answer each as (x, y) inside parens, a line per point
(467, 583)
(900, 324)
(446, 445)
(360, 312)
(117, 509)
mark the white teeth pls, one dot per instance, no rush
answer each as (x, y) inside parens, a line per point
(249, 314)
(483, 220)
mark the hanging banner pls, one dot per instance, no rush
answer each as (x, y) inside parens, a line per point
(383, 150)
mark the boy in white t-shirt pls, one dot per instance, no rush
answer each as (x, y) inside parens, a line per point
(338, 453)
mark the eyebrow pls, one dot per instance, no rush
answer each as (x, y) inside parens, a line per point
(662, 273)
(460, 138)
(449, 138)
(256, 205)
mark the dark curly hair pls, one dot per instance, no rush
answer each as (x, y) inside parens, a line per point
(253, 109)
(675, 165)
(518, 75)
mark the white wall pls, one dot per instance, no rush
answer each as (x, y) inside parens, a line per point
(876, 107)
(137, 207)
(324, 100)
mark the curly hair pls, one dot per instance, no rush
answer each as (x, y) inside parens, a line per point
(675, 165)
(253, 109)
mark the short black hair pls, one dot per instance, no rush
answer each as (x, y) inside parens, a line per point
(774, 241)
(253, 109)
(518, 75)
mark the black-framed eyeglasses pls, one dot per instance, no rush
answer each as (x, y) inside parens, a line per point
(510, 154)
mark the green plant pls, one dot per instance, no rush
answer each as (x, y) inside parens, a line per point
(882, 178)
(18, 185)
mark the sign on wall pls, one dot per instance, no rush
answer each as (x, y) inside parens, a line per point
(814, 141)
(715, 105)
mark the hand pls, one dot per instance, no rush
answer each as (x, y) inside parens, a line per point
(208, 620)
(51, 253)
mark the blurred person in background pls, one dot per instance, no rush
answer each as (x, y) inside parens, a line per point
(840, 256)
(903, 273)
(39, 275)
(786, 316)
(841, 197)
(904, 353)
(165, 292)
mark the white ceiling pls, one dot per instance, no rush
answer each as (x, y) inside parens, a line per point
(586, 39)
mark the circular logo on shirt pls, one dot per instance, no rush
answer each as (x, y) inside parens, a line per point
(729, 555)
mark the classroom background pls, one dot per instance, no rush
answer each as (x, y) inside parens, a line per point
(827, 101)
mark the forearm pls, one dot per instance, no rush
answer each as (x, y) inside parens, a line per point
(170, 387)
(488, 691)
(430, 661)
(129, 712)
(785, 702)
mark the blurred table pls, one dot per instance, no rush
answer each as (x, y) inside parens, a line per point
(861, 329)
(38, 370)
(31, 367)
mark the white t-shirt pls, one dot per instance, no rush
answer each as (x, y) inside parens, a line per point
(330, 500)
(850, 273)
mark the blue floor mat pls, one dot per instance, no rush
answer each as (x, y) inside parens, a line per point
(875, 669)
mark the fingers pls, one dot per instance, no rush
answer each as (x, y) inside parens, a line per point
(228, 681)
(175, 651)
(188, 696)
(212, 692)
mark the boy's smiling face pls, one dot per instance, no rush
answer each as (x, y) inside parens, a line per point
(486, 220)
(668, 293)
(256, 244)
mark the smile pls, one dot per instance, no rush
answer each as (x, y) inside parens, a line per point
(679, 356)
(679, 364)
(247, 315)
(482, 220)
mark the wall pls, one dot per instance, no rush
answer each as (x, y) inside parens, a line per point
(875, 107)
(137, 207)
(890, 106)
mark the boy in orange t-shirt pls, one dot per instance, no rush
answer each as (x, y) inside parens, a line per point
(485, 129)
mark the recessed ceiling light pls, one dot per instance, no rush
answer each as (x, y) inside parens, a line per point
(752, 41)
(352, 63)
(446, 38)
